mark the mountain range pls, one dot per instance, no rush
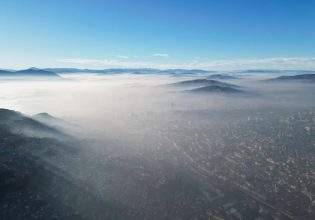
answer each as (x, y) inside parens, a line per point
(300, 77)
(208, 86)
(31, 72)
(222, 77)
(202, 82)
(216, 89)
(129, 70)
(276, 71)
(216, 75)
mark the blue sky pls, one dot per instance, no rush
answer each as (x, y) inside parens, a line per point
(208, 34)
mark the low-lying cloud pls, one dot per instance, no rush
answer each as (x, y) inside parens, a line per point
(303, 63)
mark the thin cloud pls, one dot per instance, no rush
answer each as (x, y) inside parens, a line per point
(110, 63)
(233, 64)
(122, 56)
(163, 55)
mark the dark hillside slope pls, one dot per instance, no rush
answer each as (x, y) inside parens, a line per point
(34, 180)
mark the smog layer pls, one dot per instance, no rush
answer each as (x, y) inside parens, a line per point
(158, 146)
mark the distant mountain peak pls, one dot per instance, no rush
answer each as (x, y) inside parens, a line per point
(217, 89)
(221, 76)
(44, 114)
(203, 82)
(33, 68)
(299, 77)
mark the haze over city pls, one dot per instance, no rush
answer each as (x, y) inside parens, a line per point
(157, 109)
